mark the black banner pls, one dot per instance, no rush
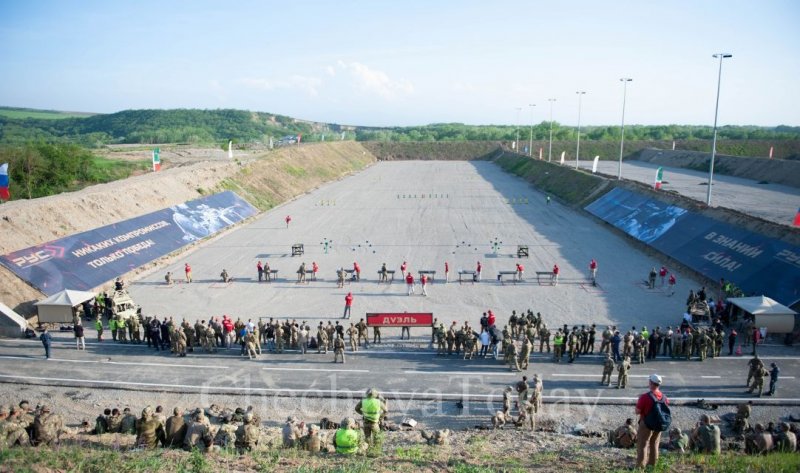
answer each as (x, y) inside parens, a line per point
(89, 259)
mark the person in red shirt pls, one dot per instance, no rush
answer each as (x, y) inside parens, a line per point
(490, 320)
(410, 283)
(188, 270)
(478, 271)
(663, 273)
(520, 271)
(314, 270)
(672, 282)
(593, 270)
(423, 281)
(646, 439)
(403, 269)
(555, 275)
(260, 270)
(446, 271)
(288, 219)
(357, 271)
(348, 303)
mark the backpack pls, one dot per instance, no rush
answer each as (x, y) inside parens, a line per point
(659, 418)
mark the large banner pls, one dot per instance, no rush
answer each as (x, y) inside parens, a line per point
(754, 262)
(89, 259)
(400, 319)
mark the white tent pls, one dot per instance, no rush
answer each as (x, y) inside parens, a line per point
(773, 315)
(11, 323)
(58, 308)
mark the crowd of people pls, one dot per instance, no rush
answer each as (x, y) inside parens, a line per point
(206, 429)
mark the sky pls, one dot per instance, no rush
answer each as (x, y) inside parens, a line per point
(410, 62)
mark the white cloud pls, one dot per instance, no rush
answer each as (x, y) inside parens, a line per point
(464, 87)
(375, 81)
(330, 70)
(309, 85)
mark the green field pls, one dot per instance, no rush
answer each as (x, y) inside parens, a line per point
(23, 113)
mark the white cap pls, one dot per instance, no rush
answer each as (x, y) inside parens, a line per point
(655, 379)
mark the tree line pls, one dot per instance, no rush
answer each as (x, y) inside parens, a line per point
(218, 126)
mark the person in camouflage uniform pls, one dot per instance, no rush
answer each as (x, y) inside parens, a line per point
(248, 435)
(544, 339)
(608, 369)
(251, 342)
(322, 339)
(451, 339)
(338, 349)
(525, 353)
(352, 334)
(128, 423)
(12, 428)
(225, 438)
(47, 428)
(440, 340)
(622, 373)
(149, 432)
(175, 429)
(198, 434)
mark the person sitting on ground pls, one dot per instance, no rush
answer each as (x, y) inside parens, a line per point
(312, 441)
(128, 423)
(101, 423)
(149, 432)
(705, 437)
(785, 440)
(293, 431)
(348, 439)
(758, 442)
(224, 276)
(678, 441)
(623, 436)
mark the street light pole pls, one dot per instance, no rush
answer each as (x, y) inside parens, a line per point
(550, 147)
(721, 56)
(530, 146)
(578, 150)
(516, 140)
(625, 81)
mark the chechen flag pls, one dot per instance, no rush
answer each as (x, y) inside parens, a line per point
(4, 194)
(156, 160)
(659, 177)
(797, 218)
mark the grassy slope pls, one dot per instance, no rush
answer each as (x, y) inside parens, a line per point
(287, 172)
(22, 113)
(476, 457)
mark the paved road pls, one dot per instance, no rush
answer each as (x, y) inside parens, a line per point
(400, 374)
(424, 213)
(774, 202)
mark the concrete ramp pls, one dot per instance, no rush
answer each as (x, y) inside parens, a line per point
(11, 323)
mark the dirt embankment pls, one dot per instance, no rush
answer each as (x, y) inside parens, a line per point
(428, 150)
(778, 171)
(265, 180)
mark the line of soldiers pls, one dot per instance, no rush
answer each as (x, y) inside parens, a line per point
(210, 429)
(22, 426)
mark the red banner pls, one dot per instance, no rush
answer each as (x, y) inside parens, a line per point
(400, 319)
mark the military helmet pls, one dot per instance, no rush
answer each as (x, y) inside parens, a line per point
(705, 418)
(313, 428)
(147, 411)
(372, 392)
(248, 418)
(348, 423)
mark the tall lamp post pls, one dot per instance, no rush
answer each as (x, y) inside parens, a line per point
(721, 56)
(530, 146)
(624, 81)
(516, 140)
(578, 150)
(550, 147)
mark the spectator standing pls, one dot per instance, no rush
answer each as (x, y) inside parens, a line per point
(288, 219)
(260, 269)
(478, 271)
(663, 274)
(47, 341)
(446, 272)
(648, 437)
(484, 343)
(423, 281)
(187, 270)
(556, 270)
(774, 372)
(410, 283)
(593, 270)
(348, 304)
(403, 268)
(731, 341)
(80, 341)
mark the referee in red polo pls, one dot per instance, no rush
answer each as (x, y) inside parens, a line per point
(646, 439)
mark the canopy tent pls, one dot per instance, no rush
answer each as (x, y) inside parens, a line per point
(11, 323)
(59, 308)
(776, 317)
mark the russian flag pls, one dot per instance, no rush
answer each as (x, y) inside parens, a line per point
(797, 218)
(4, 195)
